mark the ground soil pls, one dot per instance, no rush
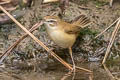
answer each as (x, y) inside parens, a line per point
(101, 16)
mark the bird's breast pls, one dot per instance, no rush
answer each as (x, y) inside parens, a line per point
(62, 39)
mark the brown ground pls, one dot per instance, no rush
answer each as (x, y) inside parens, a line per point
(100, 13)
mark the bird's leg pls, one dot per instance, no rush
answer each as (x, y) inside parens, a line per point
(70, 51)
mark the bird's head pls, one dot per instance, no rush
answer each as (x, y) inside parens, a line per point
(51, 22)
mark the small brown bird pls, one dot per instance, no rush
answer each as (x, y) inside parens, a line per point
(64, 34)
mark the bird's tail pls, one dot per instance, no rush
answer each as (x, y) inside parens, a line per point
(81, 21)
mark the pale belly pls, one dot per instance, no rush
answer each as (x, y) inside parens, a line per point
(62, 39)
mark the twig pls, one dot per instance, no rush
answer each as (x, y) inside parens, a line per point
(82, 7)
(91, 77)
(39, 42)
(5, 2)
(99, 52)
(66, 76)
(107, 28)
(114, 33)
(104, 31)
(108, 72)
(7, 52)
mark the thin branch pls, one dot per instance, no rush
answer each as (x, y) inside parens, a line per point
(108, 72)
(7, 52)
(104, 31)
(114, 33)
(107, 28)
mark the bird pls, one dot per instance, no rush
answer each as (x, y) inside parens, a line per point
(64, 34)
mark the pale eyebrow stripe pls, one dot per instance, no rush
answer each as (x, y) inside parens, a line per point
(51, 20)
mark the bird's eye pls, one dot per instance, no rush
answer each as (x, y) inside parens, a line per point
(51, 21)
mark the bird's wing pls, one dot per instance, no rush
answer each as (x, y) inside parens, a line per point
(80, 23)
(68, 28)
(72, 29)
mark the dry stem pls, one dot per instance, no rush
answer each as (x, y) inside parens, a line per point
(114, 33)
(7, 52)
